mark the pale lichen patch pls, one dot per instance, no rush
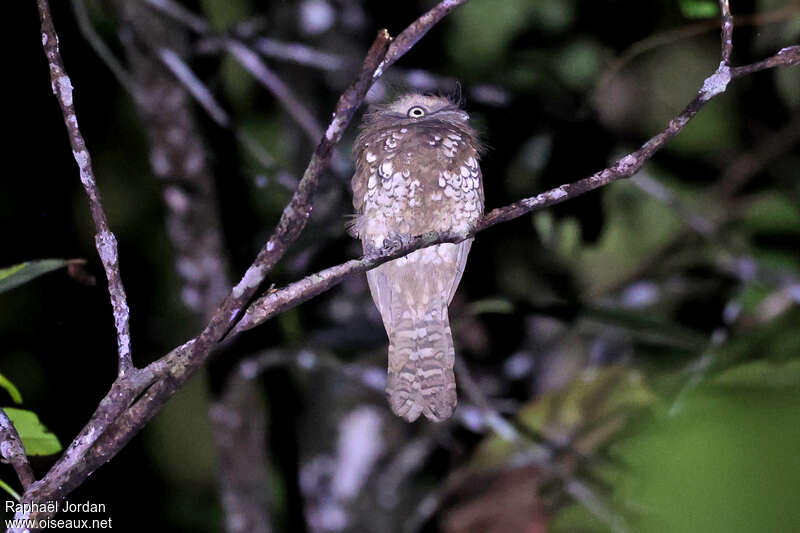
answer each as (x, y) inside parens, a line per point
(65, 90)
(252, 279)
(716, 83)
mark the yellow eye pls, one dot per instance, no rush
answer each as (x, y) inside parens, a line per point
(416, 112)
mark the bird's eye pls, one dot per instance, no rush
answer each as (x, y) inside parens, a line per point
(416, 112)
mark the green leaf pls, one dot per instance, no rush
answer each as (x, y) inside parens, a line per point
(492, 305)
(772, 211)
(36, 438)
(6, 487)
(726, 461)
(11, 388)
(637, 227)
(699, 9)
(762, 373)
(16, 275)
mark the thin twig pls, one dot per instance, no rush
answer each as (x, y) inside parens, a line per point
(416, 31)
(682, 33)
(105, 241)
(253, 64)
(727, 32)
(180, 14)
(250, 61)
(13, 451)
(785, 57)
(100, 48)
(748, 164)
(299, 53)
(196, 88)
(203, 96)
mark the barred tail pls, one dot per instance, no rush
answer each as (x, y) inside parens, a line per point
(421, 358)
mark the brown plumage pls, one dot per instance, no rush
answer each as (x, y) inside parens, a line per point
(417, 171)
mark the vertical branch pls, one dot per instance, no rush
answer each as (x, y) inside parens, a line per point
(727, 32)
(105, 241)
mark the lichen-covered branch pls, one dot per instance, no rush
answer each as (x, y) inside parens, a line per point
(785, 57)
(105, 241)
(13, 452)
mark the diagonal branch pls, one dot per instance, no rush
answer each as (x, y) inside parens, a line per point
(249, 60)
(105, 241)
(260, 71)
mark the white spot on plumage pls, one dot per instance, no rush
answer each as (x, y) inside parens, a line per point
(386, 169)
(371, 157)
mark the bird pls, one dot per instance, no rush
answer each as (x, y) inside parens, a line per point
(417, 171)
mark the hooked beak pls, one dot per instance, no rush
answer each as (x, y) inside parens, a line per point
(455, 113)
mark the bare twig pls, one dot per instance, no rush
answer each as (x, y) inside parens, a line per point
(179, 13)
(99, 46)
(746, 165)
(299, 53)
(416, 31)
(299, 112)
(205, 98)
(250, 61)
(727, 32)
(682, 33)
(785, 57)
(196, 88)
(105, 241)
(12, 451)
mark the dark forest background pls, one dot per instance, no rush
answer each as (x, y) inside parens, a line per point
(642, 342)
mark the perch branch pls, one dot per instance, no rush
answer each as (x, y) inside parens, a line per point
(300, 291)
